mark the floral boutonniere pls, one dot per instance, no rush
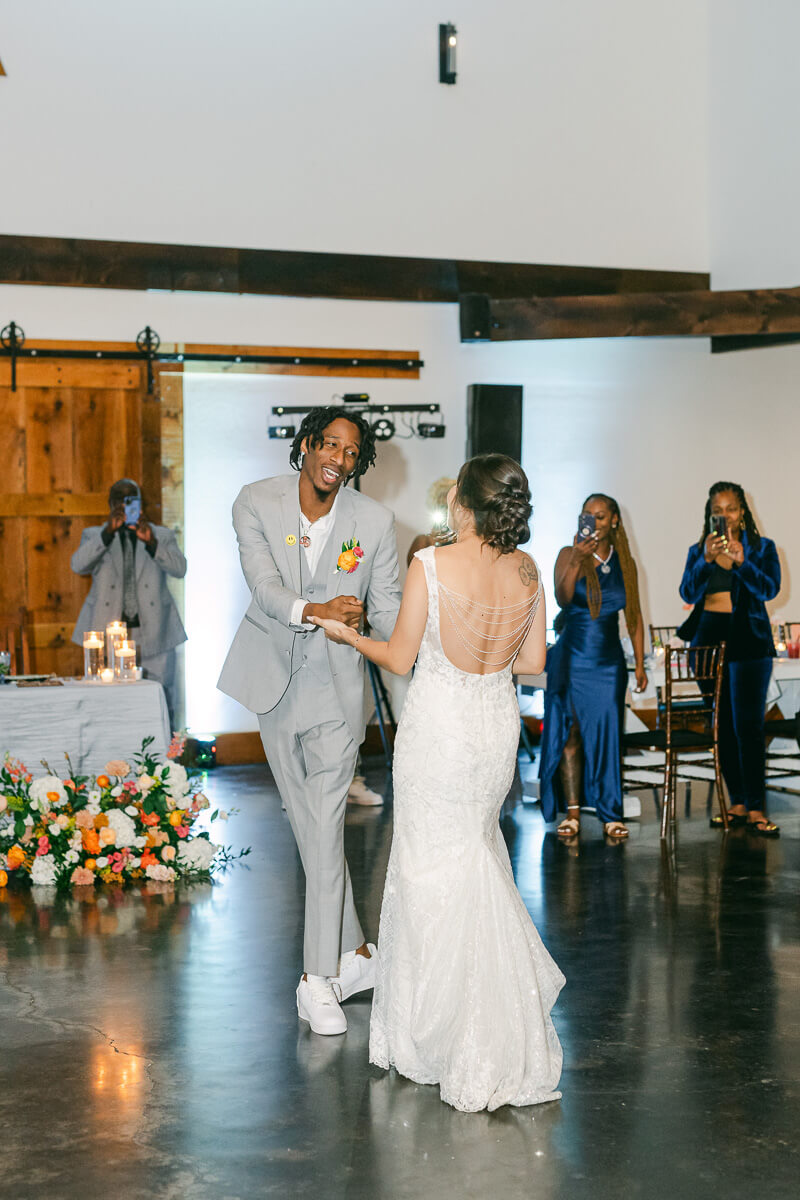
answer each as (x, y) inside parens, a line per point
(350, 557)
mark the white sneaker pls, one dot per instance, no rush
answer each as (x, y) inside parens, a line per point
(317, 1004)
(359, 793)
(356, 973)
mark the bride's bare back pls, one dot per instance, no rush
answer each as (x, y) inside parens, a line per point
(487, 605)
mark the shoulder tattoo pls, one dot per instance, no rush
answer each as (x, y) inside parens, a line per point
(527, 571)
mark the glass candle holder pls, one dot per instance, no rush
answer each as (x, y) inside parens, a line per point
(125, 660)
(116, 632)
(93, 646)
(106, 675)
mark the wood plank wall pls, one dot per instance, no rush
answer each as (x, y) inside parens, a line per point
(67, 433)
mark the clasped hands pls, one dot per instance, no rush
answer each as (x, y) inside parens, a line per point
(340, 618)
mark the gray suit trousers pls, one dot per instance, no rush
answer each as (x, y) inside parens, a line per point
(313, 760)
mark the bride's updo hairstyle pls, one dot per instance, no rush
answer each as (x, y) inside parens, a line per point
(495, 490)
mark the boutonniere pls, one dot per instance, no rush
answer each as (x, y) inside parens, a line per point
(350, 557)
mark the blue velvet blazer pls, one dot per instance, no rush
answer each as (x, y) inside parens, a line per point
(754, 581)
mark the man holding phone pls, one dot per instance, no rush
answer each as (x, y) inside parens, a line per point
(129, 561)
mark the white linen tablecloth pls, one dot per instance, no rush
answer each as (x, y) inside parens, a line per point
(92, 722)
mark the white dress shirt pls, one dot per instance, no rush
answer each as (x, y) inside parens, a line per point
(317, 533)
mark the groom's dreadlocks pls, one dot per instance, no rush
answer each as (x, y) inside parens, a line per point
(313, 427)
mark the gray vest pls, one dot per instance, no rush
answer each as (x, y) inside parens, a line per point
(309, 651)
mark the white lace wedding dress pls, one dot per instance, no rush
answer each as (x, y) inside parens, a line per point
(465, 985)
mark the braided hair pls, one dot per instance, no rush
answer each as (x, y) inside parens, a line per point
(630, 576)
(753, 536)
(313, 427)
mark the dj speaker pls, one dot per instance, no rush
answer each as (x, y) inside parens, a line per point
(494, 419)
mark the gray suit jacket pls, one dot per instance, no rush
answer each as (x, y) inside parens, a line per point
(261, 660)
(160, 629)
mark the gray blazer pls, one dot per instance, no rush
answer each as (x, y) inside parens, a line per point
(160, 629)
(262, 658)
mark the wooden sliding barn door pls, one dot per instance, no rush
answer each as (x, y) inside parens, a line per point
(71, 428)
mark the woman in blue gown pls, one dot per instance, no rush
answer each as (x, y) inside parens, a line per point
(584, 707)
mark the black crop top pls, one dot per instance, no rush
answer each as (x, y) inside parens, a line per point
(719, 580)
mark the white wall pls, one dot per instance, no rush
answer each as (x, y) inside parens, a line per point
(576, 132)
(652, 422)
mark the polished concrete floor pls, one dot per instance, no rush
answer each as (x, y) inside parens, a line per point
(149, 1044)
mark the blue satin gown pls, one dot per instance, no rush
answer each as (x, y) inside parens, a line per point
(586, 682)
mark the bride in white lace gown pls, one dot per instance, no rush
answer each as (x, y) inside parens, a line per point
(464, 984)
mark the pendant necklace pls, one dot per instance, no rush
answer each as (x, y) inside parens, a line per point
(604, 567)
(305, 528)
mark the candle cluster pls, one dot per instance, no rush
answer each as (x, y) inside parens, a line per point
(110, 657)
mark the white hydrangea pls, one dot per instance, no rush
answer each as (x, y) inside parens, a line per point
(39, 789)
(196, 855)
(160, 872)
(123, 827)
(176, 782)
(43, 872)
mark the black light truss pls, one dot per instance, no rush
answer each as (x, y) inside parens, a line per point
(12, 345)
(280, 410)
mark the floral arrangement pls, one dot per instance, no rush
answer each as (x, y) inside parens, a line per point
(127, 823)
(350, 557)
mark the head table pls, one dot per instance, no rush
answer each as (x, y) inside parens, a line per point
(92, 722)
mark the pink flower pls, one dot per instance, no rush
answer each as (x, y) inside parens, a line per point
(131, 786)
(84, 819)
(43, 845)
(182, 831)
(81, 877)
(176, 746)
(359, 553)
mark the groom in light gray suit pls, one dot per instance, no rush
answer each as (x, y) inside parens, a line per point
(310, 547)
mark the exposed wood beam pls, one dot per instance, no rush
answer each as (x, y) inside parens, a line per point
(140, 266)
(774, 311)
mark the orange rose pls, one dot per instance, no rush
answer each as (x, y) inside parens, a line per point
(3, 879)
(177, 817)
(100, 821)
(103, 781)
(90, 864)
(16, 857)
(148, 859)
(91, 841)
(53, 797)
(150, 818)
(347, 561)
(107, 837)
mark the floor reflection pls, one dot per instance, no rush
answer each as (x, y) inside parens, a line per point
(152, 1032)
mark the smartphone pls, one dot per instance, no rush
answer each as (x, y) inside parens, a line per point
(587, 524)
(132, 507)
(719, 527)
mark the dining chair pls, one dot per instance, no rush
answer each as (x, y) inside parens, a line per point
(685, 731)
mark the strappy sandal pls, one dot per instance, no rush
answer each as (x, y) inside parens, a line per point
(616, 831)
(570, 827)
(763, 828)
(734, 820)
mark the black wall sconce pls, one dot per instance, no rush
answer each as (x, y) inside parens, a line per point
(448, 40)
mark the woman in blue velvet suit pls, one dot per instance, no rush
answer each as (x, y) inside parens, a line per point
(728, 579)
(584, 706)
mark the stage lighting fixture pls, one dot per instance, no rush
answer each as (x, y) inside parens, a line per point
(201, 750)
(429, 430)
(448, 40)
(282, 431)
(383, 429)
